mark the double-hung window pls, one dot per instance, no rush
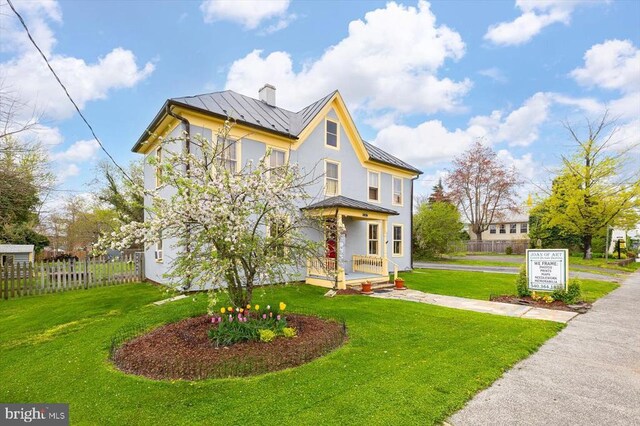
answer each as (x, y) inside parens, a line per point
(229, 155)
(374, 186)
(158, 251)
(373, 240)
(277, 160)
(397, 240)
(332, 178)
(397, 191)
(523, 228)
(277, 228)
(331, 133)
(513, 228)
(158, 166)
(492, 229)
(503, 229)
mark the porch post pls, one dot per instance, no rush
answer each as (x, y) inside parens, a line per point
(385, 261)
(339, 254)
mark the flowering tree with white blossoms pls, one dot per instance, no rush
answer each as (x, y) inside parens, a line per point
(234, 230)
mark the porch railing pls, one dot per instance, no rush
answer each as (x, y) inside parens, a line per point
(320, 266)
(368, 264)
(373, 265)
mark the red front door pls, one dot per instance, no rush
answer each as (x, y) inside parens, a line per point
(330, 238)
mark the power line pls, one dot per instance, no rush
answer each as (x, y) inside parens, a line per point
(67, 92)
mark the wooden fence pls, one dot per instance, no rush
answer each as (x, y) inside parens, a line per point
(473, 246)
(27, 279)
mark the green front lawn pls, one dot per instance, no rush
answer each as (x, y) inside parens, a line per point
(404, 363)
(481, 285)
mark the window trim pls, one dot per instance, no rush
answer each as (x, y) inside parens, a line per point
(238, 160)
(339, 192)
(513, 228)
(393, 240)
(273, 148)
(379, 186)
(160, 244)
(337, 123)
(368, 240)
(502, 228)
(393, 179)
(158, 175)
(524, 226)
(493, 229)
(285, 222)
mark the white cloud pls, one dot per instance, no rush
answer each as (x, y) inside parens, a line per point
(250, 14)
(614, 64)
(431, 142)
(494, 73)
(32, 81)
(68, 171)
(83, 150)
(536, 15)
(374, 68)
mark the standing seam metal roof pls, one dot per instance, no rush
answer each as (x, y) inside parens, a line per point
(259, 114)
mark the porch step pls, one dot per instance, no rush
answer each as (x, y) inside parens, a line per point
(374, 286)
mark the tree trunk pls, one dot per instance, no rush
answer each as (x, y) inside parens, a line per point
(586, 242)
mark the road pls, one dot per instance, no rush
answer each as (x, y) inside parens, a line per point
(507, 270)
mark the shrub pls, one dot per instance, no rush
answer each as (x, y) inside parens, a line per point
(522, 288)
(571, 295)
(266, 335)
(289, 332)
(508, 250)
(631, 254)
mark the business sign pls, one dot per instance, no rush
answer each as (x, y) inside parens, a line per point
(548, 270)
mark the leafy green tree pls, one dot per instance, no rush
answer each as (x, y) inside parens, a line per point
(436, 225)
(121, 194)
(596, 187)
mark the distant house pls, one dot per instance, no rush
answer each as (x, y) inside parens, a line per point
(15, 254)
(511, 228)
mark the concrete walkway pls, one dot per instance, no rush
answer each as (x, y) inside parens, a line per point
(484, 306)
(506, 270)
(589, 374)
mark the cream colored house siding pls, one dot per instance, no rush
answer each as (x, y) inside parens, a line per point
(508, 235)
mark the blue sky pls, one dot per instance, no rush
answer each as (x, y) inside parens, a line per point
(423, 80)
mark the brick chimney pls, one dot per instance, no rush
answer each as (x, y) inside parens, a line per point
(268, 95)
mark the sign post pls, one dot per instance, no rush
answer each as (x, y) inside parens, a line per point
(548, 269)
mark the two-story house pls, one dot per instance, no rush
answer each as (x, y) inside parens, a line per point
(362, 189)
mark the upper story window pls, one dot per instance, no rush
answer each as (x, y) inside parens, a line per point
(503, 229)
(331, 133)
(229, 155)
(513, 228)
(492, 229)
(332, 178)
(277, 160)
(396, 183)
(158, 167)
(374, 186)
(523, 228)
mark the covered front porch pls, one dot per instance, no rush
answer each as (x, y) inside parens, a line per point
(355, 244)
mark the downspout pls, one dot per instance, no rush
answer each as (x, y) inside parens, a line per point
(411, 223)
(187, 146)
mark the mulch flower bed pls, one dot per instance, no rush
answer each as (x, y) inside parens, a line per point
(183, 350)
(580, 307)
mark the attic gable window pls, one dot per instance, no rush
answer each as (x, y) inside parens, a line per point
(331, 133)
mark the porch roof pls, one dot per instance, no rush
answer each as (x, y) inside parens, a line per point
(346, 202)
